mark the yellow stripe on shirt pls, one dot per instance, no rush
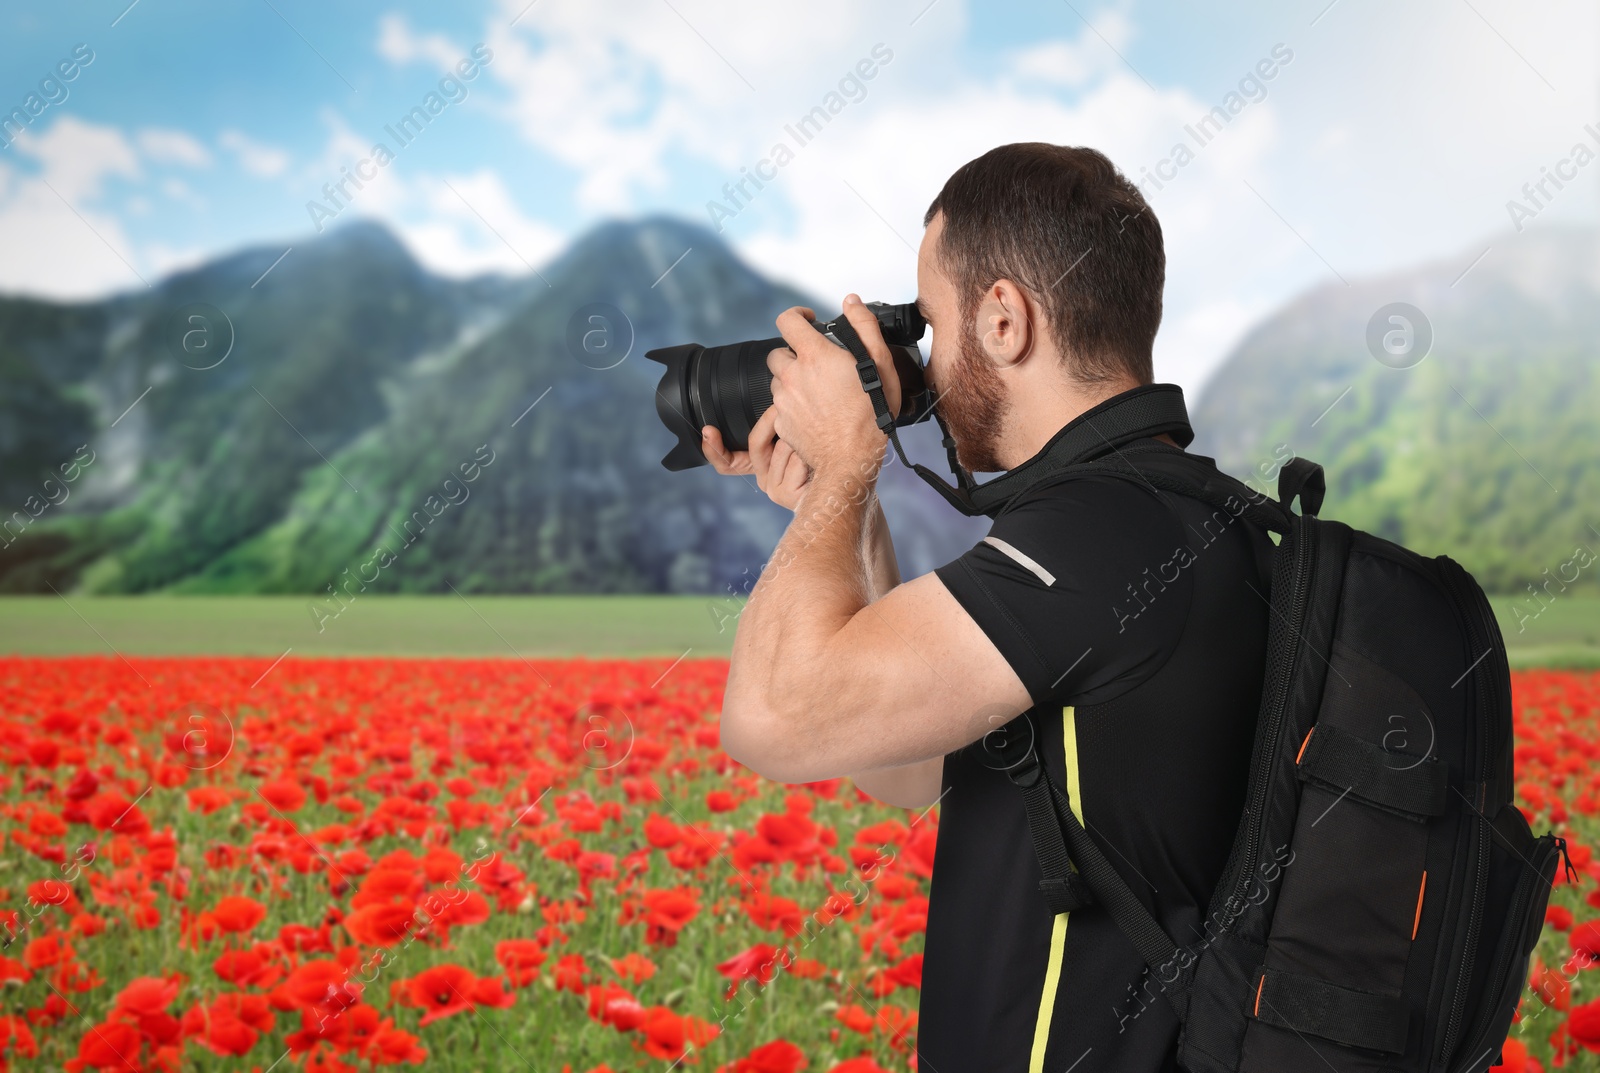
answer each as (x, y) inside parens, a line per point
(1058, 930)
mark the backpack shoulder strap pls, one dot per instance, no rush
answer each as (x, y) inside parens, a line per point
(1050, 819)
(1164, 468)
(1052, 823)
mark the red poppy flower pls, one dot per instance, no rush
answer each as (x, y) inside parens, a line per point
(247, 968)
(855, 1018)
(387, 883)
(661, 832)
(779, 1056)
(112, 1047)
(908, 973)
(759, 963)
(570, 972)
(391, 1046)
(667, 912)
(381, 925)
(147, 995)
(235, 914)
(285, 795)
(1583, 1023)
(12, 969)
(1585, 941)
(321, 984)
(208, 800)
(491, 991)
(774, 913)
(666, 1034)
(230, 1025)
(111, 811)
(16, 1037)
(1516, 1059)
(1551, 987)
(634, 966)
(863, 1064)
(615, 1005)
(521, 959)
(442, 991)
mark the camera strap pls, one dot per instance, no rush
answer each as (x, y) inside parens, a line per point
(867, 370)
(1141, 412)
(1135, 414)
(872, 384)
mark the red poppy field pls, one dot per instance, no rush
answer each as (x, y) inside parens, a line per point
(230, 864)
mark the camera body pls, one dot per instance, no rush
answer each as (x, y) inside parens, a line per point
(730, 387)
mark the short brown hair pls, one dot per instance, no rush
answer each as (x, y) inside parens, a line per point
(1035, 214)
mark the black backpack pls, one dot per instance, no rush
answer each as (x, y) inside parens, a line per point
(1383, 896)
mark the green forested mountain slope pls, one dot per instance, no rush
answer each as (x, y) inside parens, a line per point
(1487, 450)
(317, 453)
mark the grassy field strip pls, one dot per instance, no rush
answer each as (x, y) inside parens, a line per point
(372, 625)
(1566, 633)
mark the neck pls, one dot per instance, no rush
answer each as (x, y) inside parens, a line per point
(1035, 422)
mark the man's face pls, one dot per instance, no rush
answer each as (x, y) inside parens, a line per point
(970, 395)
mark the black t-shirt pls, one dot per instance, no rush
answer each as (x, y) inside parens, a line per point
(1137, 620)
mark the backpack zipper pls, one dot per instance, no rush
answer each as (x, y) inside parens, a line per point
(1509, 949)
(1482, 695)
(1304, 550)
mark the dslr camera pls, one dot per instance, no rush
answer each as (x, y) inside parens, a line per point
(730, 387)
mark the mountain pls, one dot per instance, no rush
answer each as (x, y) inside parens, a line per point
(334, 438)
(1486, 449)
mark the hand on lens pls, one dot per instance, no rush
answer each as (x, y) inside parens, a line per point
(823, 413)
(779, 472)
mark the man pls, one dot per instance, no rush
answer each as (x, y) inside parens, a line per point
(1115, 614)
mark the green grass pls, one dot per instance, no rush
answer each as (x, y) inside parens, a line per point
(371, 625)
(1565, 634)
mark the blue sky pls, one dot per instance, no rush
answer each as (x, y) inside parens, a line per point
(1392, 136)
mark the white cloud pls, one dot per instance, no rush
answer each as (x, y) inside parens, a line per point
(838, 243)
(57, 241)
(77, 157)
(1073, 63)
(1332, 143)
(617, 98)
(627, 103)
(1395, 136)
(475, 227)
(1190, 343)
(397, 44)
(172, 146)
(263, 161)
(165, 260)
(178, 190)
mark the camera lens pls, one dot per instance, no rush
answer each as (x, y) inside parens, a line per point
(730, 386)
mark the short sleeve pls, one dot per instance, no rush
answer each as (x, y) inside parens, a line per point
(1082, 587)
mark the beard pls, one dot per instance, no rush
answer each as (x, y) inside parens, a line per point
(971, 399)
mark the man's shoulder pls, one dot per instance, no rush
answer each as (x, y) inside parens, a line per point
(1123, 499)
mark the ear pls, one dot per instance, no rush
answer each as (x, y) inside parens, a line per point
(1006, 324)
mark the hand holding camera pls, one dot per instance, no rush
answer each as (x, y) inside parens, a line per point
(779, 472)
(823, 413)
(730, 388)
(819, 414)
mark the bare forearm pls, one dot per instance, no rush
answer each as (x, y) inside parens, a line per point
(907, 786)
(818, 578)
(883, 568)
